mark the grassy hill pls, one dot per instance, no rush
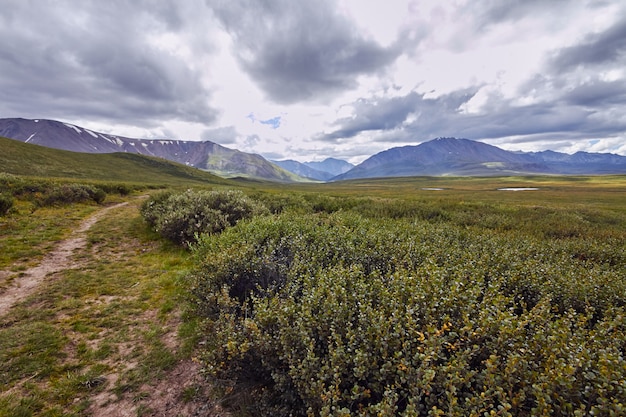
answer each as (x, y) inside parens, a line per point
(32, 160)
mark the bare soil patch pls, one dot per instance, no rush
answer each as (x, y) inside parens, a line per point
(183, 392)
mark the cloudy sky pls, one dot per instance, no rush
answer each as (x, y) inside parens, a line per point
(306, 80)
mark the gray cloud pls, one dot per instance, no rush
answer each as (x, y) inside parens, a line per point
(414, 118)
(222, 135)
(523, 121)
(597, 93)
(608, 47)
(95, 59)
(431, 116)
(566, 106)
(495, 11)
(297, 51)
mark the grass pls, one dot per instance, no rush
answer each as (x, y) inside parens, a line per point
(25, 235)
(32, 160)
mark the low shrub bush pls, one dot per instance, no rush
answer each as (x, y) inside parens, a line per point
(6, 203)
(338, 315)
(122, 189)
(69, 194)
(58, 190)
(181, 217)
(15, 185)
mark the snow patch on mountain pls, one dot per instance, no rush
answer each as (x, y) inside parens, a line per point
(73, 127)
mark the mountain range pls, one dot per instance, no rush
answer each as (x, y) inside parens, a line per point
(464, 157)
(323, 170)
(437, 157)
(205, 155)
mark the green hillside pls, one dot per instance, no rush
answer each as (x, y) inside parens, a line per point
(26, 159)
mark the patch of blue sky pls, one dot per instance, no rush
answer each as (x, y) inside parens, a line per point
(273, 122)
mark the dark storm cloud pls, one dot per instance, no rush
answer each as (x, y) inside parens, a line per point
(430, 115)
(414, 117)
(95, 59)
(527, 120)
(296, 51)
(597, 93)
(585, 106)
(608, 47)
(538, 121)
(562, 106)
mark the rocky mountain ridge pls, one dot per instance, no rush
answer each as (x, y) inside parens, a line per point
(204, 155)
(437, 157)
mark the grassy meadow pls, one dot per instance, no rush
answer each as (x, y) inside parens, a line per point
(380, 297)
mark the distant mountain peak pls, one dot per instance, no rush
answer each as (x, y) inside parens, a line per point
(438, 157)
(465, 157)
(331, 165)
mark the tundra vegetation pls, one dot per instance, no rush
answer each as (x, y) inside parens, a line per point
(343, 305)
(357, 298)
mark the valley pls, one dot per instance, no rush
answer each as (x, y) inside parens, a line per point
(390, 295)
(451, 157)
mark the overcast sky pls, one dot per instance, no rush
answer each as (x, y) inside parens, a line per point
(306, 80)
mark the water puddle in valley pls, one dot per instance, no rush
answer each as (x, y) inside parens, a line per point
(518, 189)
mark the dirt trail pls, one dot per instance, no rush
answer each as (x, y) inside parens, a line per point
(166, 396)
(57, 260)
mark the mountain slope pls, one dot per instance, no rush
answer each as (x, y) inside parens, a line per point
(303, 170)
(27, 159)
(322, 171)
(463, 157)
(205, 155)
(331, 165)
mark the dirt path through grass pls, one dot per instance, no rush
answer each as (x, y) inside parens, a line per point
(57, 260)
(98, 327)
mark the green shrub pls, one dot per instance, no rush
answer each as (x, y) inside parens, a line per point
(8, 182)
(280, 203)
(155, 207)
(16, 185)
(341, 315)
(181, 217)
(6, 203)
(119, 188)
(69, 194)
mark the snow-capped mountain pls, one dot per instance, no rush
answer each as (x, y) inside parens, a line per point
(205, 155)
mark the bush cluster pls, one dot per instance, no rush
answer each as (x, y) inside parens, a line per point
(554, 222)
(69, 194)
(6, 203)
(338, 314)
(181, 217)
(49, 192)
(20, 186)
